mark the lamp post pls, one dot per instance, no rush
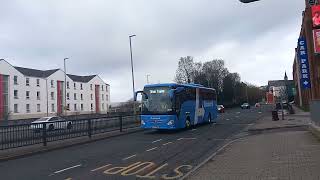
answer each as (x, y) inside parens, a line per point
(132, 74)
(65, 86)
(148, 78)
(246, 92)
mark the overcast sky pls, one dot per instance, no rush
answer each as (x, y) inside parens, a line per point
(256, 40)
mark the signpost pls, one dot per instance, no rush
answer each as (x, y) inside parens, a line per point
(304, 64)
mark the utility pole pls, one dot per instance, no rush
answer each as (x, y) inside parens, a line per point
(65, 87)
(148, 78)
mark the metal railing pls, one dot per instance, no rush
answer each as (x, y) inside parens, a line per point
(14, 136)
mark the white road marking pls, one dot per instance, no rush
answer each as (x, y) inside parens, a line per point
(186, 139)
(129, 157)
(101, 167)
(62, 170)
(156, 141)
(167, 143)
(193, 129)
(228, 119)
(237, 116)
(238, 112)
(152, 149)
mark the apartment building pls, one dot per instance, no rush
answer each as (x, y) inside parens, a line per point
(31, 93)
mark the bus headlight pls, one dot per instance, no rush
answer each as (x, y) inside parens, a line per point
(142, 122)
(170, 123)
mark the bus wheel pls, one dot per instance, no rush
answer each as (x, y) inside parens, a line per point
(188, 123)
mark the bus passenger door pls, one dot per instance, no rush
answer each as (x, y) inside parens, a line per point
(199, 109)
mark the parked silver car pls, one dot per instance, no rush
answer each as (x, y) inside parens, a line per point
(52, 123)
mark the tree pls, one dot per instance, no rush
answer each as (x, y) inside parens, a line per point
(185, 71)
(229, 85)
(215, 72)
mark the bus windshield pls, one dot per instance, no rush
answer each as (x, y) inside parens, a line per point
(158, 101)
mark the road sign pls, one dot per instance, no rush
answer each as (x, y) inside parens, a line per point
(304, 64)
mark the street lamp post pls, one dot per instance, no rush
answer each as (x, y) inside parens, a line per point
(246, 92)
(132, 74)
(148, 78)
(65, 86)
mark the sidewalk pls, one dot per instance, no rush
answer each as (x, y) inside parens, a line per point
(282, 150)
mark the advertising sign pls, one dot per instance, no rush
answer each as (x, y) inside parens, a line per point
(316, 40)
(315, 15)
(304, 64)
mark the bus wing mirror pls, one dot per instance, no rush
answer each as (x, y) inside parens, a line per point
(179, 89)
(140, 92)
(171, 93)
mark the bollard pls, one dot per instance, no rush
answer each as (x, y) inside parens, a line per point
(275, 115)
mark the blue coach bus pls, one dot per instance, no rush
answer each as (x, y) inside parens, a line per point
(176, 106)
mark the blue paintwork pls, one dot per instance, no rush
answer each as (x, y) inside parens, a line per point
(187, 109)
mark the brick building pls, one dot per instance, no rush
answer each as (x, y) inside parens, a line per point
(305, 95)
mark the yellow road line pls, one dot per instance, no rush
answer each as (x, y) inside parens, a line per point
(101, 167)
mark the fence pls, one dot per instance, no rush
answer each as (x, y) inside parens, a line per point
(13, 136)
(314, 111)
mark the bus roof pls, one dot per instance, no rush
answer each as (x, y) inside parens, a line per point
(175, 85)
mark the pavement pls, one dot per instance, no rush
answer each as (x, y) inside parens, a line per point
(147, 154)
(278, 150)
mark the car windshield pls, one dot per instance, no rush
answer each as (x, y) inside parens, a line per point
(42, 119)
(158, 101)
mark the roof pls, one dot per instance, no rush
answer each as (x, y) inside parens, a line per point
(278, 83)
(35, 72)
(174, 85)
(83, 79)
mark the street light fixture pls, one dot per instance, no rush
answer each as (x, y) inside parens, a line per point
(248, 1)
(148, 78)
(65, 86)
(132, 74)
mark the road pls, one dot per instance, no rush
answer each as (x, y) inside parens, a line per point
(141, 155)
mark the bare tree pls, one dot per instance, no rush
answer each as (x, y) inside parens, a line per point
(185, 71)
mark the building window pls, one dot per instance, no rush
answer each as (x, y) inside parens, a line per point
(38, 108)
(68, 107)
(27, 94)
(28, 108)
(91, 106)
(52, 108)
(27, 82)
(101, 87)
(75, 96)
(90, 86)
(102, 106)
(52, 83)
(75, 107)
(81, 96)
(74, 86)
(107, 97)
(102, 96)
(15, 80)
(68, 96)
(81, 107)
(91, 96)
(38, 95)
(52, 95)
(38, 82)
(15, 93)
(68, 87)
(15, 108)
(81, 86)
